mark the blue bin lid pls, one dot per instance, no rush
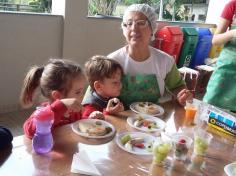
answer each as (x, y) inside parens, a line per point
(203, 32)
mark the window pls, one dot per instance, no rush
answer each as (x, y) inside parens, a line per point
(37, 6)
(170, 10)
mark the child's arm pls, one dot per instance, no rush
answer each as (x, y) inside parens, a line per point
(87, 110)
(29, 127)
(59, 108)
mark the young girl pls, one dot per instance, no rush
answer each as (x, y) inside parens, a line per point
(62, 83)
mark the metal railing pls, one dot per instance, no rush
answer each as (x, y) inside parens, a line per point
(20, 7)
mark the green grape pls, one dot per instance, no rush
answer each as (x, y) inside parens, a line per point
(161, 151)
(200, 145)
(124, 139)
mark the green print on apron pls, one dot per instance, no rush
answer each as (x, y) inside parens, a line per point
(221, 89)
(139, 88)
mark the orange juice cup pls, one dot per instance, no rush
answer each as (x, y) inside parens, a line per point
(190, 112)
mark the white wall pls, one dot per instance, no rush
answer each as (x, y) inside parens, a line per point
(25, 40)
(85, 37)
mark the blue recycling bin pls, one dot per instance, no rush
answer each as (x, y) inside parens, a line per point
(203, 47)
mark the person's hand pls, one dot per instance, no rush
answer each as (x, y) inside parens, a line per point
(96, 115)
(184, 95)
(114, 105)
(72, 104)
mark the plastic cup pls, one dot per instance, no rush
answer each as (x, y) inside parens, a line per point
(202, 140)
(161, 149)
(181, 143)
(190, 112)
(196, 165)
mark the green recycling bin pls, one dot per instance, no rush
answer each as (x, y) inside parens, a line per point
(189, 45)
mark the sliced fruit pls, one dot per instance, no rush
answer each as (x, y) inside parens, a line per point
(124, 139)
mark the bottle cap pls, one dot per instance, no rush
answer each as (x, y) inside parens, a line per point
(44, 113)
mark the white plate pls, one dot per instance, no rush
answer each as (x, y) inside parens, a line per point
(230, 169)
(148, 139)
(160, 123)
(133, 107)
(76, 129)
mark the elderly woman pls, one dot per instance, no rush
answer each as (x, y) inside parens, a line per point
(149, 72)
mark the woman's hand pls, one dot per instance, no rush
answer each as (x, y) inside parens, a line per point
(96, 115)
(114, 105)
(184, 95)
(72, 104)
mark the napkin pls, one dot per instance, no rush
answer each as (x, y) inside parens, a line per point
(83, 165)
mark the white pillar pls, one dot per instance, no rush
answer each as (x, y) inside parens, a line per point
(215, 9)
(58, 7)
(161, 10)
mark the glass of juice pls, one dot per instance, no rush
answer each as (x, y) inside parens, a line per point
(190, 112)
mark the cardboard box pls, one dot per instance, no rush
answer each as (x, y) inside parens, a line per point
(221, 120)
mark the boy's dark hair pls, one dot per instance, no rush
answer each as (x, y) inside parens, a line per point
(58, 74)
(98, 67)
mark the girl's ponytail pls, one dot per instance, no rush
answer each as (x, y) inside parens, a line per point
(30, 83)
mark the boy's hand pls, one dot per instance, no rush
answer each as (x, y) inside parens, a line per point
(96, 115)
(184, 95)
(72, 104)
(114, 105)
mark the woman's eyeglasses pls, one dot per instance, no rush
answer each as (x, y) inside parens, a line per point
(138, 23)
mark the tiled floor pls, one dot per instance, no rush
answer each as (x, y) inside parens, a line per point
(14, 120)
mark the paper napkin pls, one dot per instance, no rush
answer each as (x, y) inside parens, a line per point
(83, 165)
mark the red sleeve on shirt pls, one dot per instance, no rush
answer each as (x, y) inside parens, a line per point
(229, 11)
(29, 127)
(105, 112)
(59, 109)
(88, 109)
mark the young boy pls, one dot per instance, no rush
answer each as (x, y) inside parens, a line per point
(104, 77)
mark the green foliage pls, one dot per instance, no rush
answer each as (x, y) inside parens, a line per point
(172, 9)
(150, 2)
(41, 5)
(103, 7)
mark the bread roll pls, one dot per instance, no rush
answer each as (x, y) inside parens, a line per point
(92, 129)
(147, 107)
